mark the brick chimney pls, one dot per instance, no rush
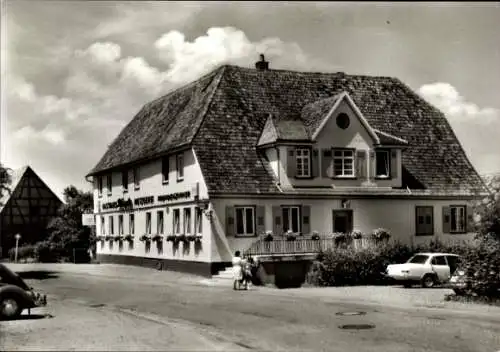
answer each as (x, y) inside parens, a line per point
(262, 65)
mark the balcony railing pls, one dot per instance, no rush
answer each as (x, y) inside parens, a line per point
(302, 245)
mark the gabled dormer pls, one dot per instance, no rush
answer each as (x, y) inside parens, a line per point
(331, 145)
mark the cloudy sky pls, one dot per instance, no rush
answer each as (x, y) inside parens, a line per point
(75, 72)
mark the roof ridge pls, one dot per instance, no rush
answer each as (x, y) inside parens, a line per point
(390, 135)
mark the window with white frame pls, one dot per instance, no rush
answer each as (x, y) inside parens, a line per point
(303, 162)
(245, 221)
(180, 166)
(148, 223)
(382, 164)
(131, 222)
(198, 220)
(99, 186)
(120, 224)
(177, 221)
(103, 226)
(111, 225)
(187, 220)
(291, 218)
(457, 218)
(159, 222)
(109, 183)
(165, 168)
(343, 163)
(137, 181)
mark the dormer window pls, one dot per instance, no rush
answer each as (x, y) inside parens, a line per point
(382, 164)
(303, 159)
(343, 163)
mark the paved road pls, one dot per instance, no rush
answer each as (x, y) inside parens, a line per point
(182, 313)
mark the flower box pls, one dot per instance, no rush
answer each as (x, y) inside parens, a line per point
(129, 238)
(268, 236)
(381, 234)
(315, 236)
(108, 238)
(145, 238)
(290, 236)
(356, 235)
(180, 238)
(198, 238)
(170, 238)
(118, 238)
(190, 238)
(157, 238)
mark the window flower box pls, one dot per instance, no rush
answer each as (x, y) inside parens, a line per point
(129, 238)
(108, 238)
(180, 238)
(197, 238)
(100, 238)
(170, 238)
(145, 238)
(118, 238)
(190, 238)
(157, 238)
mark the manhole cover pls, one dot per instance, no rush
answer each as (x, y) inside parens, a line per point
(351, 313)
(357, 326)
(98, 305)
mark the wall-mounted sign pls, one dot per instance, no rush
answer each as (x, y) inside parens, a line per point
(120, 203)
(88, 219)
(174, 196)
(144, 200)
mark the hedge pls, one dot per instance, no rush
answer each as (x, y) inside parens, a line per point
(23, 253)
(349, 266)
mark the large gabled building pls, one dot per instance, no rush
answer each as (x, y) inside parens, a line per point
(26, 209)
(243, 151)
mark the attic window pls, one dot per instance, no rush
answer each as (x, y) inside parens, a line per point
(383, 165)
(343, 121)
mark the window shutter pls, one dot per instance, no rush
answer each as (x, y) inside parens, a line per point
(373, 166)
(446, 219)
(326, 162)
(469, 213)
(394, 164)
(306, 219)
(261, 219)
(277, 223)
(315, 163)
(361, 164)
(291, 162)
(229, 221)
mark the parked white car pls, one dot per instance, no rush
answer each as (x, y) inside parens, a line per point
(428, 269)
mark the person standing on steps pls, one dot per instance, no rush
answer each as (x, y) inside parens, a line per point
(237, 270)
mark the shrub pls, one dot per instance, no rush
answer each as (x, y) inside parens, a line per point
(23, 252)
(357, 234)
(47, 252)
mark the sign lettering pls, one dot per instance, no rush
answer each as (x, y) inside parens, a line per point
(174, 196)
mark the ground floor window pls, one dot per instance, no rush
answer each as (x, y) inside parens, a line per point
(291, 218)
(198, 220)
(103, 227)
(120, 224)
(131, 221)
(245, 221)
(457, 218)
(148, 223)
(424, 219)
(177, 221)
(342, 221)
(187, 220)
(159, 222)
(111, 225)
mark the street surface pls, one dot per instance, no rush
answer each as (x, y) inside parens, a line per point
(110, 307)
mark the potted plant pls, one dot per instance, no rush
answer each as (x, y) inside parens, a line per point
(381, 234)
(145, 238)
(108, 237)
(129, 238)
(197, 239)
(100, 238)
(269, 236)
(190, 238)
(357, 235)
(170, 238)
(157, 237)
(315, 235)
(180, 238)
(118, 238)
(290, 236)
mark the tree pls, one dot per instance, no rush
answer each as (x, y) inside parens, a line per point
(488, 211)
(66, 231)
(5, 180)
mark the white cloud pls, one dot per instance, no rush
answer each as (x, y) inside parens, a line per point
(476, 127)
(446, 98)
(51, 134)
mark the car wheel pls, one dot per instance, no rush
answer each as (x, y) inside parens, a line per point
(10, 308)
(428, 281)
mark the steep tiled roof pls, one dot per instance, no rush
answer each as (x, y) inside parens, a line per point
(312, 114)
(388, 139)
(224, 113)
(15, 177)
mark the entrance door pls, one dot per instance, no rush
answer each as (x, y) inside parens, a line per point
(342, 220)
